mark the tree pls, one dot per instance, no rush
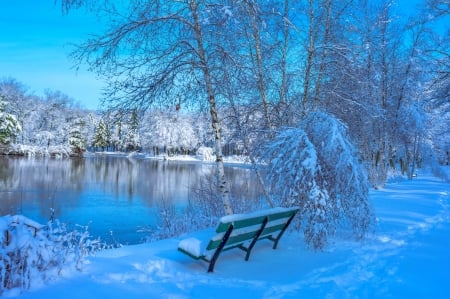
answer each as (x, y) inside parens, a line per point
(132, 138)
(315, 167)
(77, 140)
(9, 125)
(102, 136)
(157, 51)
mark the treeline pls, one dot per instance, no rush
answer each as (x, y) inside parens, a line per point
(57, 121)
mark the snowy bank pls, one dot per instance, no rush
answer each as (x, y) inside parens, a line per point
(406, 258)
(54, 151)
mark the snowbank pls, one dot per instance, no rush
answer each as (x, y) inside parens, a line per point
(55, 151)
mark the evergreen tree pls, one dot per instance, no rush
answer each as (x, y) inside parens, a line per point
(9, 125)
(102, 136)
(77, 140)
(132, 140)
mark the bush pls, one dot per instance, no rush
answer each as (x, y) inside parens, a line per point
(32, 253)
(315, 167)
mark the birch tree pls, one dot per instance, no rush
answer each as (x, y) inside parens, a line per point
(156, 52)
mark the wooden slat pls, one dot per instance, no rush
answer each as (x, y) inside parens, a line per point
(249, 222)
(240, 223)
(238, 239)
(272, 229)
(280, 215)
(222, 227)
(233, 240)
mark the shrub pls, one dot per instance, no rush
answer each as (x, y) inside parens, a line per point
(32, 253)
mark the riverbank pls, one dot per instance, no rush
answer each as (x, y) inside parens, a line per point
(208, 158)
(65, 151)
(52, 151)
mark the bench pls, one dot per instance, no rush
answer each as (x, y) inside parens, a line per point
(240, 231)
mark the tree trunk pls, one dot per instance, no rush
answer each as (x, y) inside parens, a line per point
(324, 52)
(222, 181)
(310, 57)
(283, 89)
(259, 66)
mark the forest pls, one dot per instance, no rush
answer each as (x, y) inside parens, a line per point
(331, 96)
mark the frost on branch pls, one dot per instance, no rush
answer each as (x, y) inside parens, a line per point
(315, 167)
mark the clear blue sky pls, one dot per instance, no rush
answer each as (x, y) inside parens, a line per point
(35, 42)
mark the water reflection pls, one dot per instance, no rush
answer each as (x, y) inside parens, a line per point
(108, 193)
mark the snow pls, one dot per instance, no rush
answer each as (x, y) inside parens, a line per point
(205, 154)
(237, 217)
(193, 246)
(407, 257)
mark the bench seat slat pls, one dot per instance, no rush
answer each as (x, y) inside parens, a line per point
(280, 215)
(222, 227)
(233, 240)
(272, 229)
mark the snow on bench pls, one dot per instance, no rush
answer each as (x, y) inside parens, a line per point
(236, 231)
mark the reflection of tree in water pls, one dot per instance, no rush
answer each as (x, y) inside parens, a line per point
(38, 184)
(107, 189)
(7, 184)
(203, 206)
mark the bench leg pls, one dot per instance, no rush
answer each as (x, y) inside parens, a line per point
(249, 249)
(282, 232)
(220, 248)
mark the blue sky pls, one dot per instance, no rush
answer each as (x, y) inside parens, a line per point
(35, 40)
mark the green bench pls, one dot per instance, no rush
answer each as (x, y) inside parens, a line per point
(240, 231)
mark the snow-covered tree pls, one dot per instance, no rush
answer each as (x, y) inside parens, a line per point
(102, 136)
(132, 140)
(316, 168)
(9, 125)
(77, 138)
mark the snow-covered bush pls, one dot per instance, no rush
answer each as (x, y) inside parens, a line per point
(344, 176)
(205, 154)
(32, 253)
(316, 168)
(55, 151)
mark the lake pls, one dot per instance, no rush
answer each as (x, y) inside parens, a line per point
(114, 195)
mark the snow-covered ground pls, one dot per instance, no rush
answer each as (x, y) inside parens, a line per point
(407, 257)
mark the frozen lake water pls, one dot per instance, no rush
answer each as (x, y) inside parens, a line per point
(115, 196)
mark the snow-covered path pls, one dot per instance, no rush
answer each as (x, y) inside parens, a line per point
(408, 257)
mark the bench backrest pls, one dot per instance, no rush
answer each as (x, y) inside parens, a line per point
(247, 226)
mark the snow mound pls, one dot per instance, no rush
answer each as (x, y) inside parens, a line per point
(205, 154)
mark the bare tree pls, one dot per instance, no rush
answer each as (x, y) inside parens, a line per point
(159, 52)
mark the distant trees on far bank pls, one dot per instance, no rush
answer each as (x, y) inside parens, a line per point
(56, 120)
